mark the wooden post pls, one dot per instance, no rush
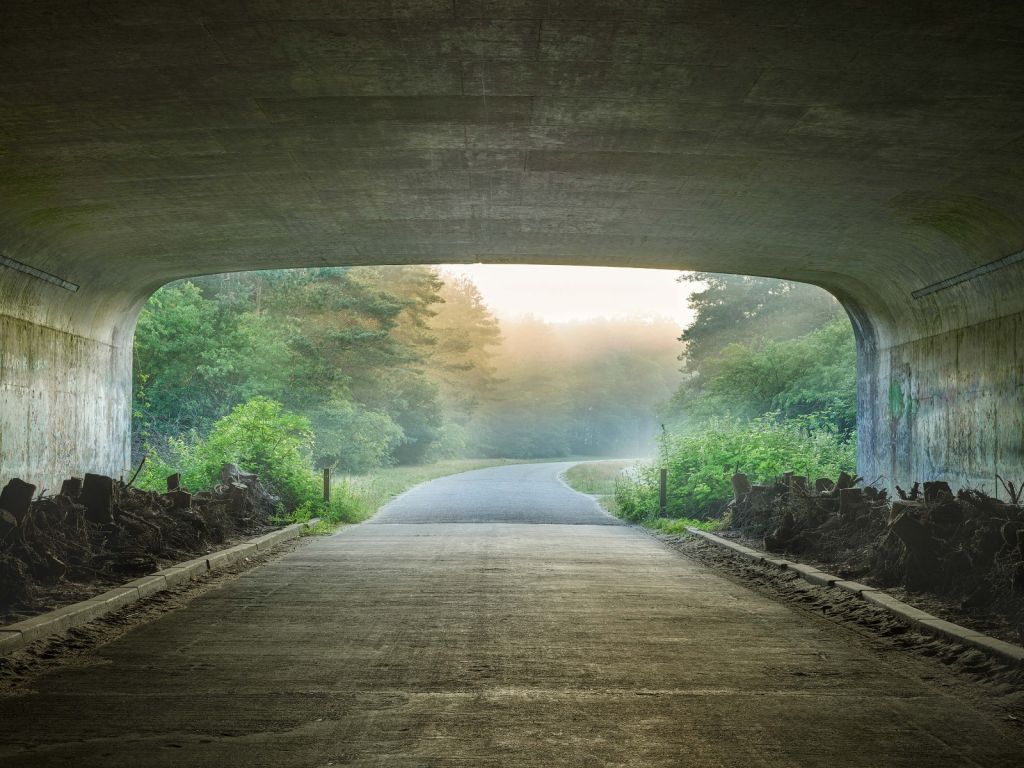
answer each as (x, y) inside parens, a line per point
(663, 492)
(327, 485)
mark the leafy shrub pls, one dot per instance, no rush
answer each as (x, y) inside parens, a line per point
(345, 506)
(259, 436)
(636, 494)
(352, 439)
(701, 464)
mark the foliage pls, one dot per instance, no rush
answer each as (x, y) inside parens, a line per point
(359, 368)
(760, 346)
(680, 524)
(414, 405)
(738, 309)
(468, 335)
(811, 374)
(700, 464)
(595, 477)
(353, 350)
(259, 436)
(351, 438)
(194, 359)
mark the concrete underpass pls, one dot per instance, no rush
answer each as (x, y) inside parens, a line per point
(876, 150)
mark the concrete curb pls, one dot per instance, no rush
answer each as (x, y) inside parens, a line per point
(1007, 652)
(20, 634)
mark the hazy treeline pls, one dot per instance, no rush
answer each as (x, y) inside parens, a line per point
(761, 346)
(391, 365)
(586, 388)
(768, 384)
(354, 350)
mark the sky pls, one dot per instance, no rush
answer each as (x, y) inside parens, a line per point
(563, 294)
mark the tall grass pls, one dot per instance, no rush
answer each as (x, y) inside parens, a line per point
(596, 477)
(700, 464)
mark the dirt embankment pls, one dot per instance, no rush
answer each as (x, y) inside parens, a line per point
(98, 532)
(960, 553)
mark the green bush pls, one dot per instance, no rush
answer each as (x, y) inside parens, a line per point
(350, 438)
(633, 494)
(259, 436)
(701, 464)
(345, 507)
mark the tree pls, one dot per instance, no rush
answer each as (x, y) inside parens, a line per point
(462, 362)
(196, 357)
(586, 388)
(759, 346)
(737, 309)
(344, 346)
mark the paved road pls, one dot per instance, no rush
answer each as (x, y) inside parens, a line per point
(490, 641)
(524, 493)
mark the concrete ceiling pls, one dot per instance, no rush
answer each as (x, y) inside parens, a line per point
(873, 148)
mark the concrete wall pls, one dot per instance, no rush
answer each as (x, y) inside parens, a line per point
(65, 404)
(946, 407)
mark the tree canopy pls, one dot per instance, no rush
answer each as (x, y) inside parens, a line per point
(762, 346)
(394, 364)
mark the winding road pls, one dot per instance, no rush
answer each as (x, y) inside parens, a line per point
(494, 618)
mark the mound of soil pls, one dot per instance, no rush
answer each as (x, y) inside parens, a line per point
(99, 531)
(966, 548)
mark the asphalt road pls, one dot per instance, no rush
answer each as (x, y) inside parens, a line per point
(495, 618)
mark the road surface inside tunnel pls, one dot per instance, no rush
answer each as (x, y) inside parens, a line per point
(494, 618)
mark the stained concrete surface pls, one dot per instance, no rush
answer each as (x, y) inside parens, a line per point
(495, 643)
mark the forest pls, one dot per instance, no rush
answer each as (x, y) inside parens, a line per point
(767, 385)
(365, 367)
(358, 368)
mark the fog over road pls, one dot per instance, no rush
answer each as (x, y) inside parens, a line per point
(521, 493)
(495, 618)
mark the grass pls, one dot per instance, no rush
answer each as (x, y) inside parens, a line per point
(679, 524)
(379, 487)
(355, 498)
(599, 478)
(596, 477)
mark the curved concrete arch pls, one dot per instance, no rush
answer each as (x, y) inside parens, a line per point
(873, 150)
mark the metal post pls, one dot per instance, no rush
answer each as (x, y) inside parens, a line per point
(663, 492)
(327, 485)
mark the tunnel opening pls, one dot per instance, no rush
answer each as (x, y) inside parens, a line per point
(409, 365)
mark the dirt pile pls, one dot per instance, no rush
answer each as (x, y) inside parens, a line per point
(966, 547)
(98, 530)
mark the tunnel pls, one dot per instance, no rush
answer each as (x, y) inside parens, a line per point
(875, 150)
